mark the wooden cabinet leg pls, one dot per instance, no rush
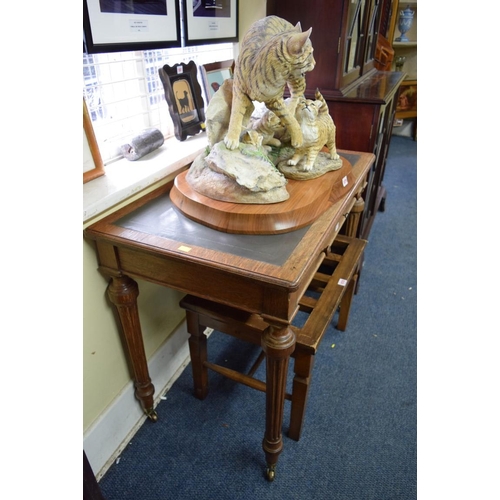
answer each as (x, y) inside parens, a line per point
(352, 222)
(303, 366)
(345, 305)
(278, 342)
(352, 229)
(91, 490)
(123, 292)
(198, 353)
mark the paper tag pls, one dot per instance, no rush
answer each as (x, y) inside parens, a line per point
(345, 181)
(138, 25)
(182, 248)
(179, 70)
(213, 25)
(342, 282)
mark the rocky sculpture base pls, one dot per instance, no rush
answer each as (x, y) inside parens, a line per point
(252, 174)
(245, 175)
(322, 165)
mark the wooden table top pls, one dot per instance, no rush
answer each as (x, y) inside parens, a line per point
(151, 239)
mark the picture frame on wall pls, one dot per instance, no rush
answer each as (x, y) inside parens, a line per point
(184, 99)
(214, 74)
(210, 21)
(407, 99)
(93, 165)
(118, 26)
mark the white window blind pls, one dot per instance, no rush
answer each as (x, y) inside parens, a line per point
(124, 93)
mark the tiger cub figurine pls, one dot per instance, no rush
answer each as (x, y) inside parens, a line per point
(265, 126)
(273, 54)
(318, 130)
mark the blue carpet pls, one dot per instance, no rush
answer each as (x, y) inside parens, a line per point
(360, 433)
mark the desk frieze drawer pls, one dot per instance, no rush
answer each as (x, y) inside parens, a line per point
(210, 282)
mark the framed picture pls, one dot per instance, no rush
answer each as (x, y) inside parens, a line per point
(183, 95)
(210, 21)
(214, 74)
(117, 25)
(92, 162)
(407, 100)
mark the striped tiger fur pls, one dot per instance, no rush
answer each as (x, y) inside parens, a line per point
(318, 130)
(266, 126)
(273, 54)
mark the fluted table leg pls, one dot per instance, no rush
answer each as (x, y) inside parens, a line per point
(278, 342)
(123, 292)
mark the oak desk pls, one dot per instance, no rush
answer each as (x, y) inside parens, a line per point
(263, 274)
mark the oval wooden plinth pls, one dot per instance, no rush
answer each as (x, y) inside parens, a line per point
(308, 200)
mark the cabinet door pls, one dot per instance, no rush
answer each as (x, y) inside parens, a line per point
(374, 194)
(352, 42)
(344, 38)
(326, 20)
(373, 17)
(359, 40)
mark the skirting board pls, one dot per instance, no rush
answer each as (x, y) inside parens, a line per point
(113, 430)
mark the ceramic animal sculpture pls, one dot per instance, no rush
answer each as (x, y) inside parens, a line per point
(273, 54)
(318, 130)
(266, 126)
(251, 137)
(219, 112)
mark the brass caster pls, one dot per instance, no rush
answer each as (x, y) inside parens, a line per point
(152, 415)
(271, 472)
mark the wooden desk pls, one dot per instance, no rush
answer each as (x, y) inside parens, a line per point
(263, 274)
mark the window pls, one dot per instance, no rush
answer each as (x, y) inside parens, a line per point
(124, 93)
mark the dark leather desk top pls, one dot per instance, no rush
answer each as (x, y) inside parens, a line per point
(162, 218)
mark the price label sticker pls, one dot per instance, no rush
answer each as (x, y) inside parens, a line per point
(342, 282)
(183, 248)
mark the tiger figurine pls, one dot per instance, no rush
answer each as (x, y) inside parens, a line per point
(265, 126)
(273, 54)
(318, 130)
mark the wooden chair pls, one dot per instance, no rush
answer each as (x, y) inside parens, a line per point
(332, 286)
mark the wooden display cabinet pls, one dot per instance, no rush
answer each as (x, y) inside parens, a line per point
(361, 99)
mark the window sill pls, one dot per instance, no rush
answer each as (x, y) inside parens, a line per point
(125, 178)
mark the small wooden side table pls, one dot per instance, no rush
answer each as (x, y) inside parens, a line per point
(262, 274)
